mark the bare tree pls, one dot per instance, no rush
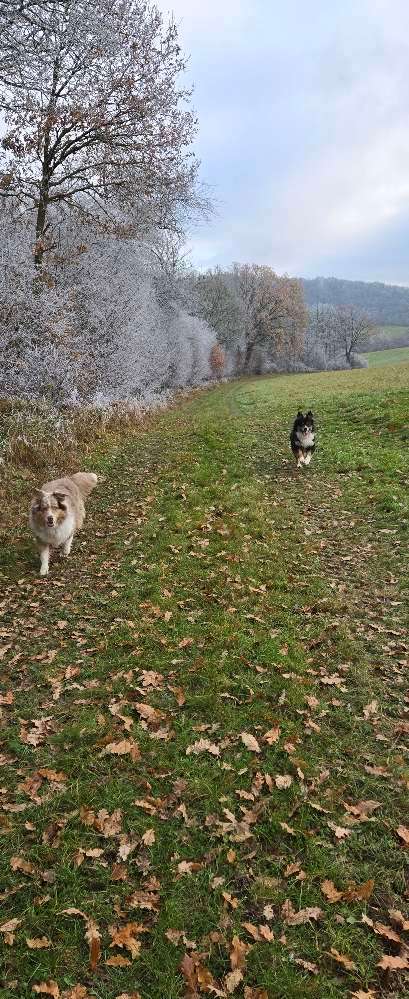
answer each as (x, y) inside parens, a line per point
(96, 119)
(353, 328)
(275, 315)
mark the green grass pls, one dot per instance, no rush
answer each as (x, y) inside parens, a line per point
(252, 596)
(396, 355)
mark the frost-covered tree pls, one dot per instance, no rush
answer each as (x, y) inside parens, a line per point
(96, 119)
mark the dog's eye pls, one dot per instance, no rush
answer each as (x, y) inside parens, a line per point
(61, 505)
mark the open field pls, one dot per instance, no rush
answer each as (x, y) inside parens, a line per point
(397, 355)
(204, 779)
(392, 331)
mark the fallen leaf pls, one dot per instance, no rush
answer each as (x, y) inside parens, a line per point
(203, 746)
(403, 833)
(293, 918)
(389, 963)
(118, 961)
(92, 935)
(307, 965)
(370, 709)
(47, 988)
(52, 775)
(331, 892)
(340, 831)
(19, 864)
(272, 735)
(364, 995)
(122, 748)
(250, 742)
(343, 959)
(148, 837)
(10, 926)
(127, 936)
(397, 917)
(38, 943)
(283, 781)
(232, 980)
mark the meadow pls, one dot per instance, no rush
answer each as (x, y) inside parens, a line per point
(396, 355)
(204, 779)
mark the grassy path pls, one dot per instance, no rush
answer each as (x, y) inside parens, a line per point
(204, 713)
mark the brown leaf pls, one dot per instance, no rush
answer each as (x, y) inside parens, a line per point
(307, 965)
(283, 781)
(331, 892)
(272, 735)
(38, 943)
(92, 935)
(118, 961)
(19, 864)
(126, 936)
(52, 775)
(250, 742)
(151, 715)
(397, 917)
(403, 833)
(362, 809)
(232, 980)
(343, 959)
(250, 993)
(10, 925)
(389, 963)
(370, 709)
(122, 748)
(47, 988)
(238, 953)
(148, 837)
(340, 831)
(203, 746)
(364, 995)
(302, 916)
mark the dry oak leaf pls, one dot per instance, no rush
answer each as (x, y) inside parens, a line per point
(19, 864)
(331, 892)
(397, 917)
(78, 992)
(118, 961)
(232, 980)
(47, 988)
(92, 935)
(126, 936)
(203, 746)
(250, 993)
(151, 715)
(340, 831)
(129, 995)
(293, 918)
(238, 953)
(370, 709)
(188, 866)
(122, 748)
(250, 742)
(363, 809)
(343, 959)
(403, 833)
(10, 926)
(56, 777)
(364, 995)
(272, 735)
(389, 963)
(38, 943)
(307, 965)
(148, 837)
(108, 825)
(282, 781)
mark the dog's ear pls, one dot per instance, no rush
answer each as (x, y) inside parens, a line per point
(300, 415)
(310, 414)
(38, 494)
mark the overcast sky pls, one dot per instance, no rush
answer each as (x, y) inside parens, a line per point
(303, 110)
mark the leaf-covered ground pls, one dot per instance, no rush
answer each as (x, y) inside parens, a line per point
(203, 783)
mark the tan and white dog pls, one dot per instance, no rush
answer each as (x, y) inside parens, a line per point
(57, 512)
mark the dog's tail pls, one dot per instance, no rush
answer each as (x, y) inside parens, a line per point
(86, 482)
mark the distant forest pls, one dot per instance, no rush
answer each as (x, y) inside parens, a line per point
(387, 304)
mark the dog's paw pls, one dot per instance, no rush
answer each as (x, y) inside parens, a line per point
(44, 570)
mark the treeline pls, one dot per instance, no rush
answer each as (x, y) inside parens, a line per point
(385, 304)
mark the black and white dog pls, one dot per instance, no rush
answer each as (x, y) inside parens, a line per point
(302, 438)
